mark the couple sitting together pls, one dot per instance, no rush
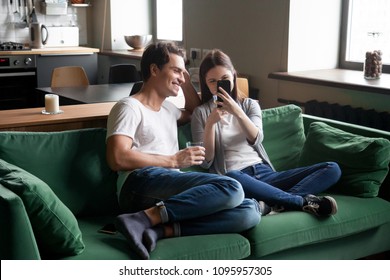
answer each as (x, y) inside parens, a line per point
(160, 201)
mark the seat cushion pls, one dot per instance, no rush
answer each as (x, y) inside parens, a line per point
(55, 227)
(201, 247)
(294, 229)
(364, 161)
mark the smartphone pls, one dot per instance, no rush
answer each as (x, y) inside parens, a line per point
(108, 229)
(225, 84)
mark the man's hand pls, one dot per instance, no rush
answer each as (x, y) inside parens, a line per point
(190, 156)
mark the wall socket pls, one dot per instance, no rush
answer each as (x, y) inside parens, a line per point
(195, 53)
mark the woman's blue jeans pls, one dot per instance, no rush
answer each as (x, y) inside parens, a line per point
(286, 188)
(202, 203)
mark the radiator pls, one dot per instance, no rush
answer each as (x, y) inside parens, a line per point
(345, 113)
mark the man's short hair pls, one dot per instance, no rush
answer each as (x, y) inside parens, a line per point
(158, 53)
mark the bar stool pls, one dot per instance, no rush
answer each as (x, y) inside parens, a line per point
(123, 73)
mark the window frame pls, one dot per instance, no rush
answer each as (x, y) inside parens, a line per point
(343, 63)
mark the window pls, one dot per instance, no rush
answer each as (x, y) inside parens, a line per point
(169, 20)
(365, 27)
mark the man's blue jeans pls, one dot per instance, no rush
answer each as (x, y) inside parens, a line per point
(202, 203)
(286, 188)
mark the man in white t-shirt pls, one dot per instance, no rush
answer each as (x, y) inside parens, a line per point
(159, 200)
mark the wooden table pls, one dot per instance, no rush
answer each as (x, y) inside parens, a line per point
(89, 94)
(73, 117)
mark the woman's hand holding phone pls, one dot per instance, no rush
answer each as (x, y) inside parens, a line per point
(225, 85)
(229, 104)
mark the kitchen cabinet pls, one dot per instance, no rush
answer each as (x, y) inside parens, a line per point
(46, 62)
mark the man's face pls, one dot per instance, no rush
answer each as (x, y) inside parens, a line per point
(171, 76)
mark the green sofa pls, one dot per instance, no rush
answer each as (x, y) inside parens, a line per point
(56, 192)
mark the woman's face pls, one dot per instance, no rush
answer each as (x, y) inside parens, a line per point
(218, 73)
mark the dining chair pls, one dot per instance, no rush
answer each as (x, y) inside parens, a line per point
(123, 73)
(243, 85)
(136, 87)
(69, 76)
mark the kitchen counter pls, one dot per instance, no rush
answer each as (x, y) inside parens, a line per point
(61, 50)
(136, 54)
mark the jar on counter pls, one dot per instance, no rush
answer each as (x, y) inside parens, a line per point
(373, 65)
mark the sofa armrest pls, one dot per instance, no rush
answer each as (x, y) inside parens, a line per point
(384, 191)
(17, 241)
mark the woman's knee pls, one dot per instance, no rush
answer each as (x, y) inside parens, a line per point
(334, 169)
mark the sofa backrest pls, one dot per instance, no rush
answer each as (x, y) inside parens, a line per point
(284, 135)
(72, 163)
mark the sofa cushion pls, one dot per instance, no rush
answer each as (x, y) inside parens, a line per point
(72, 163)
(364, 161)
(295, 229)
(284, 135)
(100, 246)
(55, 227)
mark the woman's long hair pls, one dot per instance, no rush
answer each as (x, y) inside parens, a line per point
(214, 58)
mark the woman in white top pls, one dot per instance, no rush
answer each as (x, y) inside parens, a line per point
(232, 134)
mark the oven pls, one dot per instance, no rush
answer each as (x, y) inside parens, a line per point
(18, 79)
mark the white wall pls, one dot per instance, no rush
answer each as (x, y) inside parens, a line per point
(128, 17)
(112, 19)
(257, 35)
(314, 33)
(264, 36)
(253, 33)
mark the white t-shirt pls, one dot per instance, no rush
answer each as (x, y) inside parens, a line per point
(238, 153)
(152, 132)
